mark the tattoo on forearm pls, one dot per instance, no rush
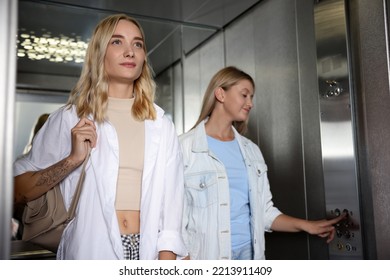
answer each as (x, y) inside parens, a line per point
(56, 173)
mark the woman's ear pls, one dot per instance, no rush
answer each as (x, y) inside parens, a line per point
(219, 94)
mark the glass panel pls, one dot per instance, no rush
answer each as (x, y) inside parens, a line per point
(28, 108)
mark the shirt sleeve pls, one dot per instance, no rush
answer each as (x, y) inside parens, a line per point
(270, 211)
(170, 237)
(50, 145)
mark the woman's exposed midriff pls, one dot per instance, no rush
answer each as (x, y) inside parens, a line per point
(129, 221)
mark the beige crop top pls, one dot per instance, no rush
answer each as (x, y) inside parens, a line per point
(131, 137)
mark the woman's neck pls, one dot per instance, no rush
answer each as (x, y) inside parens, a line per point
(219, 128)
(119, 90)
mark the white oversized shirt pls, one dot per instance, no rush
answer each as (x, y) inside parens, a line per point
(94, 233)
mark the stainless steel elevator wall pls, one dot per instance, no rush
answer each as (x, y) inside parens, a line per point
(337, 134)
(275, 43)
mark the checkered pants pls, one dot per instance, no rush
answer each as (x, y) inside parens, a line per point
(130, 244)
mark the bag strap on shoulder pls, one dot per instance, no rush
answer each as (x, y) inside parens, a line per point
(76, 197)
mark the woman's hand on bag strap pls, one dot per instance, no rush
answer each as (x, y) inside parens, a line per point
(32, 184)
(83, 138)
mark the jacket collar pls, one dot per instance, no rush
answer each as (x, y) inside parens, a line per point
(200, 144)
(159, 110)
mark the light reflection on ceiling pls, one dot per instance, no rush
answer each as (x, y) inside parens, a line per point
(60, 49)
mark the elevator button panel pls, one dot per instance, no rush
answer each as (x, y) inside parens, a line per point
(337, 129)
(347, 237)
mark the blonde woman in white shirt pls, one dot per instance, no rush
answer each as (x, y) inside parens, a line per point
(132, 198)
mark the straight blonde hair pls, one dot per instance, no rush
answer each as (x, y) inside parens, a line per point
(90, 95)
(224, 78)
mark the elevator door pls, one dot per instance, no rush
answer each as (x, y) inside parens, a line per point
(337, 133)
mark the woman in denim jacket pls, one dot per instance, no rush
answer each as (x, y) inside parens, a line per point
(228, 203)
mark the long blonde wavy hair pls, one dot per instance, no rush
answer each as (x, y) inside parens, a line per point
(224, 78)
(90, 95)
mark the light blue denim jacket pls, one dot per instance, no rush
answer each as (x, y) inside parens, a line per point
(206, 217)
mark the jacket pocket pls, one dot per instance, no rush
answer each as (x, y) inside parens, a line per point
(259, 175)
(201, 189)
(260, 168)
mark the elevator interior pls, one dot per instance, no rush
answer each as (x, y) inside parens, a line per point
(322, 91)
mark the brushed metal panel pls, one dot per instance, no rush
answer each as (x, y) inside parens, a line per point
(310, 118)
(199, 67)
(337, 135)
(279, 118)
(8, 26)
(211, 60)
(192, 95)
(216, 12)
(242, 55)
(371, 76)
(164, 92)
(178, 98)
(278, 103)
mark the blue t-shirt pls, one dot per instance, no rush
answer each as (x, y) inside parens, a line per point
(229, 153)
